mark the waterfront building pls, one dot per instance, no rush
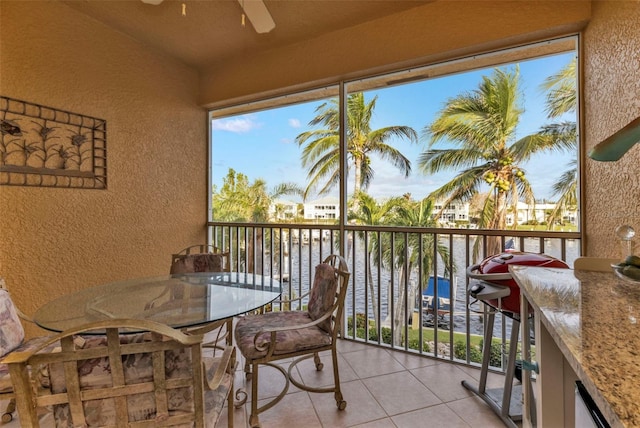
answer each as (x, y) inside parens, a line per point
(539, 213)
(326, 208)
(453, 213)
(281, 209)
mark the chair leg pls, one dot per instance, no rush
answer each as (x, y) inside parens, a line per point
(7, 416)
(254, 422)
(247, 370)
(230, 332)
(318, 363)
(230, 405)
(340, 402)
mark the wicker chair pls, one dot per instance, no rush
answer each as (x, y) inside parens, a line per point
(11, 340)
(158, 377)
(265, 338)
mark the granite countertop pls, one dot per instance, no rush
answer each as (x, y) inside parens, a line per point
(593, 318)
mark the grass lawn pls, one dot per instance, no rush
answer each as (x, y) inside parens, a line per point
(556, 228)
(458, 346)
(428, 334)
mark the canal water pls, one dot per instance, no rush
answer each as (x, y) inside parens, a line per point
(304, 257)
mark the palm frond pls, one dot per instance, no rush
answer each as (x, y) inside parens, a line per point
(384, 134)
(394, 156)
(561, 91)
(328, 115)
(434, 161)
(462, 187)
(286, 189)
(366, 174)
(565, 134)
(318, 150)
(567, 190)
(326, 166)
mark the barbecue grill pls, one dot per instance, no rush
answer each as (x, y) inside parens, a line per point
(491, 283)
(494, 271)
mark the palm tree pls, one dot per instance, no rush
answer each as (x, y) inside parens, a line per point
(561, 99)
(567, 188)
(416, 251)
(561, 91)
(238, 200)
(481, 125)
(321, 155)
(241, 201)
(371, 212)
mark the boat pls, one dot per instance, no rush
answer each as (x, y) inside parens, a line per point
(438, 309)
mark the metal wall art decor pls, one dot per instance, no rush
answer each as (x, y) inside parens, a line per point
(46, 147)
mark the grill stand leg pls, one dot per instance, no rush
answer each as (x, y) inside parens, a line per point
(511, 368)
(503, 410)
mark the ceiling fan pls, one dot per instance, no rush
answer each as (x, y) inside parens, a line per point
(255, 10)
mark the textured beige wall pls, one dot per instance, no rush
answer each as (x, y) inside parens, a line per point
(53, 241)
(611, 100)
(435, 31)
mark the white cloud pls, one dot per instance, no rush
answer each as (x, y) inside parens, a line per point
(295, 123)
(238, 125)
(389, 181)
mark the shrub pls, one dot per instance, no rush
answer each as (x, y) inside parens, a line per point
(386, 335)
(460, 352)
(361, 321)
(414, 344)
(373, 335)
(495, 359)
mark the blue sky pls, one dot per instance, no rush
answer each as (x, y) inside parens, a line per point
(262, 144)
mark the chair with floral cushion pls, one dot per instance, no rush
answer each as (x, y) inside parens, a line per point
(265, 338)
(205, 258)
(11, 340)
(106, 374)
(200, 258)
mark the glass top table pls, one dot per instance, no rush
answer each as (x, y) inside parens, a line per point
(182, 300)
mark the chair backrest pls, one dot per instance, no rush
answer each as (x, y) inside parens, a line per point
(328, 293)
(200, 258)
(114, 378)
(11, 329)
(22, 315)
(596, 264)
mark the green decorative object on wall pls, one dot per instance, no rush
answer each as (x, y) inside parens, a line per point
(47, 147)
(614, 147)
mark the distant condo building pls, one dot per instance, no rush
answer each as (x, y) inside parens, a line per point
(322, 209)
(454, 212)
(283, 210)
(539, 212)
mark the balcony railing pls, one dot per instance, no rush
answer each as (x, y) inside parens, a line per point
(385, 305)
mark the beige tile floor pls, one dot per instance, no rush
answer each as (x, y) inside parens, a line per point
(382, 388)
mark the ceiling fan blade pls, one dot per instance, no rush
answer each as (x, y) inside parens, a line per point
(258, 14)
(153, 2)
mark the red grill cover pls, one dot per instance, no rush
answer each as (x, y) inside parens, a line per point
(499, 264)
